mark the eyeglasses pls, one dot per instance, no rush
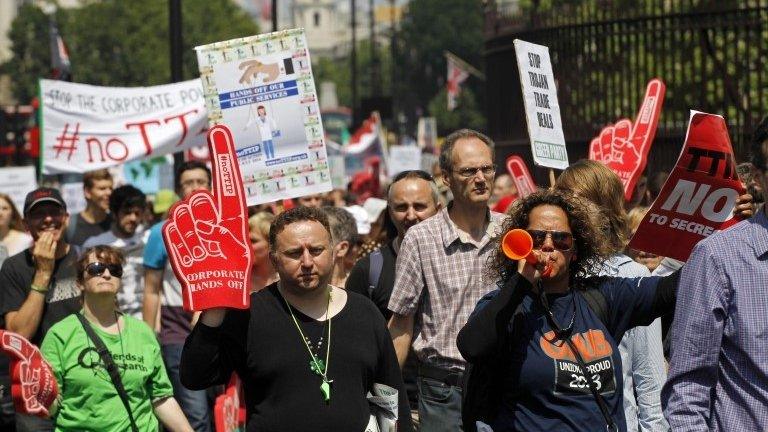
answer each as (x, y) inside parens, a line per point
(562, 240)
(468, 172)
(413, 174)
(98, 269)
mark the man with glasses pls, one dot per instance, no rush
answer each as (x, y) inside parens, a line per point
(37, 286)
(439, 278)
(719, 367)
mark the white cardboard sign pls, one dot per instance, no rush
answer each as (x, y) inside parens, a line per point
(542, 109)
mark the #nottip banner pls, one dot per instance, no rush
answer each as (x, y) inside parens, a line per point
(262, 88)
(699, 196)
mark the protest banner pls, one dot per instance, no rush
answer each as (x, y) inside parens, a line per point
(426, 133)
(16, 182)
(521, 176)
(699, 196)
(207, 235)
(403, 158)
(87, 127)
(262, 88)
(150, 175)
(623, 147)
(542, 111)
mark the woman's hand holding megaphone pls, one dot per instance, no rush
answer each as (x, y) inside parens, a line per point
(517, 245)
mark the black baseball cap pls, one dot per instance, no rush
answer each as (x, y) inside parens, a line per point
(43, 194)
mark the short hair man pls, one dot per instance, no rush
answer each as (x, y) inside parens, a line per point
(175, 323)
(307, 352)
(717, 376)
(94, 219)
(439, 279)
(127, 205)
(345, 240)
(37, 286)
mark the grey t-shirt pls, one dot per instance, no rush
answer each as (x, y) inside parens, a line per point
(79, 230)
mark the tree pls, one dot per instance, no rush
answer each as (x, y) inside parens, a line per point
(467, 113)
(31, 52)
(119, 42)
(429, 28)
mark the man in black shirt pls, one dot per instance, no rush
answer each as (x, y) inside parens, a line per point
(37, 286)
(307, 352)
(94, 219)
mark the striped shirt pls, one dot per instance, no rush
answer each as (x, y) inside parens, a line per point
(642, 360)
(718, 376)
(440, 276)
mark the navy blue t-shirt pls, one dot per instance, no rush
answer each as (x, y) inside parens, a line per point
(544, 387)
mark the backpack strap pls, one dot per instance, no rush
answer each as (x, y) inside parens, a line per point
(374, 270)
(597, 302)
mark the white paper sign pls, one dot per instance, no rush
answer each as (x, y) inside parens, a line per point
(17, 182)
(89, 127)
(262, 88)
(541, 107)
(74, 197)
(403, 158)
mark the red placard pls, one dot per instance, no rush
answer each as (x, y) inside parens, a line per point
(226, 411)
(206, 235)
(33, 385)
(624, 146)
(698, 197)
(520, 175)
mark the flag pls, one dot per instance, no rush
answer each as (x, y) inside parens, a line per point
(457, 74)
(59, 55)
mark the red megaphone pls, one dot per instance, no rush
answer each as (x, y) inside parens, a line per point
(517, 244)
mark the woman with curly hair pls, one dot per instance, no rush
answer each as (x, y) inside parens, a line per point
(534, 336)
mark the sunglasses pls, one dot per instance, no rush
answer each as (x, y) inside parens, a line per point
(37, 215)
(98, 269)
(563, 241)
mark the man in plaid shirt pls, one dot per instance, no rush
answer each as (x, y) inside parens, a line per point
(440, 277)
(718, 375)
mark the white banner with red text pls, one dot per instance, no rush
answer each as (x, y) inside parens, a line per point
(86, 127)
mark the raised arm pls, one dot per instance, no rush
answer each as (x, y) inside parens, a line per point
(488, 326)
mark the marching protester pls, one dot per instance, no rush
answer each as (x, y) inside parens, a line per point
(504, 193)
(307, 352)
(127, 205)
(345, 240)
(412, 197)
(13, 236)
(94, 219)
(718, 376)
(107, 362)
(642, 359)
(162, 291)
(314, 201)
(438, 277)
(37, 286)
(263, 272)
(530, 340)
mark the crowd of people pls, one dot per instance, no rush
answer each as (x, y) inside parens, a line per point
(410, 290)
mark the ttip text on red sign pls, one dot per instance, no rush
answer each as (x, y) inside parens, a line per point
(699, 195)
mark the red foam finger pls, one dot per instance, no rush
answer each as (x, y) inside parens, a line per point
(621, 131)
(648, 115)
(176, 246)
(227, 181)
(182, 215)
(595, 151)
(606, 141)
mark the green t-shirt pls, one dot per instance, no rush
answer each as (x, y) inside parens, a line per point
(89, 399)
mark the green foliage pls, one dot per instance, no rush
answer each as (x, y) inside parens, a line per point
(428, 29)
(119, 42)
(466, 115)
(31, 52)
